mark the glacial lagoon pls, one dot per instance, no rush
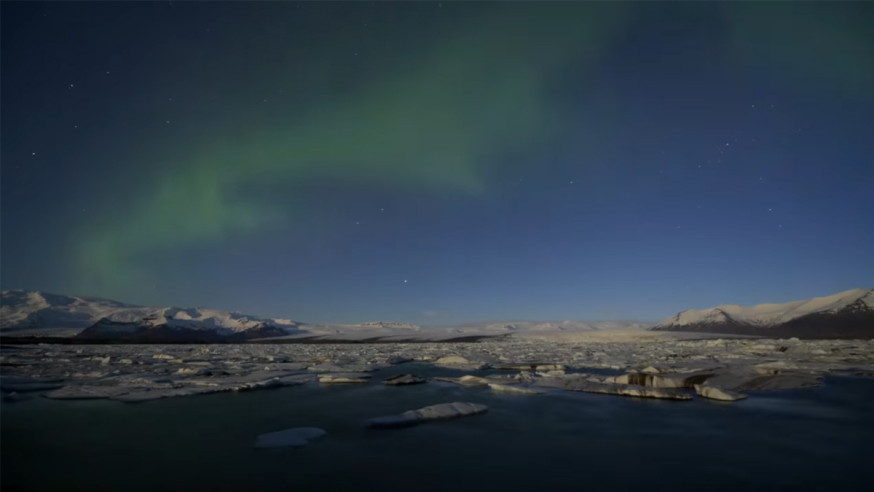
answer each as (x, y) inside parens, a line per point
(803, 439)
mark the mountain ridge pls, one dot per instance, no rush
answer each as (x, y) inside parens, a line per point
(34, 313)
(23, 311)
(846, 314)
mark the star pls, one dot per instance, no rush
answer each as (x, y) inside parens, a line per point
(33, 153)
(71, 86)
(405, 280)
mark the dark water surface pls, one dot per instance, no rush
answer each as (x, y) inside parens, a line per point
(813, 439)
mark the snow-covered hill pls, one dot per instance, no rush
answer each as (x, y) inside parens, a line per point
(33, 312)
(845, 314)
(38, 311)
(175, 324)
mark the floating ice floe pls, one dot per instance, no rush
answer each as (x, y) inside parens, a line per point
(344, 378)
(468, 380)
(587, 385)
(714, 393)
(513, 389)
(458, 362)
(666, 381)
(434, 412)
(403, 380)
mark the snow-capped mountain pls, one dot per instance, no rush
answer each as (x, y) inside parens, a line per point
(33, 312)
(848, 314)
(845, 314)
(175, 324)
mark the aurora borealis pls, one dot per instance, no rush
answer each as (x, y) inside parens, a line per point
(437, 162)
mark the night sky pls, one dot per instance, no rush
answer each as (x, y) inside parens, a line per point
(437, 163)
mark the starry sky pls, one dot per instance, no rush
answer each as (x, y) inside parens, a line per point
(438, 162)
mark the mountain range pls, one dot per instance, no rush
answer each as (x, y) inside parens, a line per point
(848, 314)
(26, 313)
(40, 313)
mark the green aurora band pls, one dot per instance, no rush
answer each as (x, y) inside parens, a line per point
(432, 122)
(434, 116)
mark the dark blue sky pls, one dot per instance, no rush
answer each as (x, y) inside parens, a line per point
(434, 162)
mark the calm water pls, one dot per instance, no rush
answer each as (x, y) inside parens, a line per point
(817, 439)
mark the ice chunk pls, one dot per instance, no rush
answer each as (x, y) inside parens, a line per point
(403, 379)
(714, 393)
(513, 389)
(433, 412)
